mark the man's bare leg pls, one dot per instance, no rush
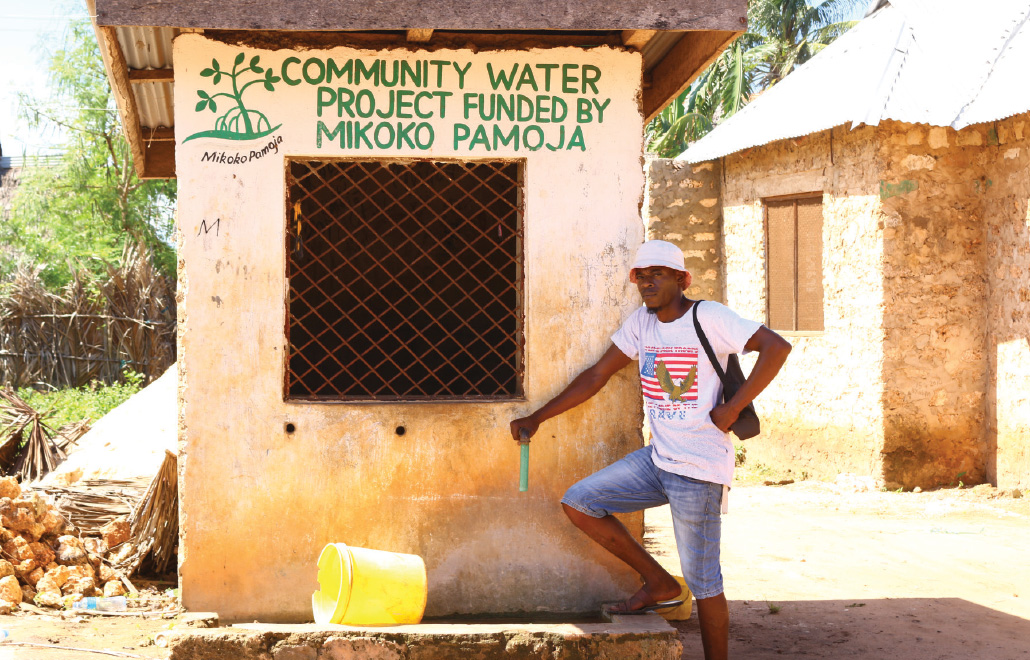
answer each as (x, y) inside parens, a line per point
(714, 616)
(613, 536)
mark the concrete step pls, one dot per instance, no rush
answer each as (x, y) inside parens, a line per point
(642, 637)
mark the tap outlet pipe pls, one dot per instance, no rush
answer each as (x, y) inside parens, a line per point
(524, 460)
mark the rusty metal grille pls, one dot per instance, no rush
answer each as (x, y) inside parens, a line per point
(405, 280)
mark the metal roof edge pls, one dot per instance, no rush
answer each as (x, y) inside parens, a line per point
(726, 138)
(1018, 24)
(692, 157)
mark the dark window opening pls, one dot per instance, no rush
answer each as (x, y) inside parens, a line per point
(405, 280)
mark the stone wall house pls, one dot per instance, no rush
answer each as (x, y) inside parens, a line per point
(894, 252)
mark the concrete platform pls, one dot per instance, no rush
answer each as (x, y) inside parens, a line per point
(647, 637)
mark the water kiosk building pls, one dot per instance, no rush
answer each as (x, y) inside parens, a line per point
(400, 226)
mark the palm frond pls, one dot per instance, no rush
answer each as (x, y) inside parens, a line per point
(783, 34)
(827, 33)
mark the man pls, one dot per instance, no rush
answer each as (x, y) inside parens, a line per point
(689, 463)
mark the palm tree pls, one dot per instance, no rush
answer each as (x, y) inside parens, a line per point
(720, 91)
(784, 34)
(793, 32)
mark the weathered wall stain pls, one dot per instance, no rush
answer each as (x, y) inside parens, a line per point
(888, 190)
(935, 369)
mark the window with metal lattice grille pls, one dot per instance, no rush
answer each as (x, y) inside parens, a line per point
(405, 280)
(794, 240)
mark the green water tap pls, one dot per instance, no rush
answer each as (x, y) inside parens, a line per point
(524, 460)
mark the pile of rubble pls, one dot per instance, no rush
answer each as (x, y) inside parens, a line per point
(44, 560)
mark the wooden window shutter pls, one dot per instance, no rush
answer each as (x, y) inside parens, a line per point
(810, 264)
(781, 267)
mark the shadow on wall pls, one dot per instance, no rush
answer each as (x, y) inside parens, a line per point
(1008, 398)
(935, 368)
(956, 322)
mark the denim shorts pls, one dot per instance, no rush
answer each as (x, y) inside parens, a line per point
(635, 483)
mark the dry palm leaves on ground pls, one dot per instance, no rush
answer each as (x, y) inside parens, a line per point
(92, 503)
(68, 434)
(153, 516)
(154, 523)
(27, 447)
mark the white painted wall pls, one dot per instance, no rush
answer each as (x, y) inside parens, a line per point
(258, 504)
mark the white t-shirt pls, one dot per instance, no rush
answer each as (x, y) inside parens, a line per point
(683, 438)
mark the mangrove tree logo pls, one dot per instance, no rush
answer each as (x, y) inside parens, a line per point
(239, 122)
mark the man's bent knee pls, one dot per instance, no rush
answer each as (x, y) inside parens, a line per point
(577, 517)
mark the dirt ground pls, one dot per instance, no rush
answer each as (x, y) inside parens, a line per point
(812, 569)
(68, 635)
(818, 570)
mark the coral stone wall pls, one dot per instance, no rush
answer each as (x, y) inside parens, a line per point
(823, 414)
(1007, 219)
(935, 312)
(919, 377)
(681, 205)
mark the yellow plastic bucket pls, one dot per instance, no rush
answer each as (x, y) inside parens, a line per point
(362, 587)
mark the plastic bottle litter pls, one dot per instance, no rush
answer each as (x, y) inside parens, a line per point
(4, 635)
(114, 604)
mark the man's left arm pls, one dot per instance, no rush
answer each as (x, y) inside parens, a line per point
(772, 352)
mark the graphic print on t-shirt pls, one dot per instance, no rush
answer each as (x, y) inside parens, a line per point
(669, 373)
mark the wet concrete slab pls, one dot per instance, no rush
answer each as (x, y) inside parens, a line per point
(646, 637)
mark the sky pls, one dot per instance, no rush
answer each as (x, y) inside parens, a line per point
(29, 33)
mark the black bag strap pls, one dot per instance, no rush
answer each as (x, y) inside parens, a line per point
(707, 346)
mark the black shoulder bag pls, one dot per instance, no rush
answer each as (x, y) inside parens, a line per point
(747, 425)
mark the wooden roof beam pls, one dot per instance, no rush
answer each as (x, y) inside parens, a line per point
(637, 38)
(159, 134)
(118, 73)
(420, 36)
(683, 64)
(159, 159)
(151, 75)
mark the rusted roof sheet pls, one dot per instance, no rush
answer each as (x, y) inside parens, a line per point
(931, 62)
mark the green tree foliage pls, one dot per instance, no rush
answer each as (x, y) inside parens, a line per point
(784, 34)
(74, 404)
(80, 212)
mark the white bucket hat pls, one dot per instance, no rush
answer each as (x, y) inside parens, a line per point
(657, 253)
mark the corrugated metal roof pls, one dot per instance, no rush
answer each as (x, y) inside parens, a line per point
(148, 48)
(930, 62)
(154, 103)
(1005, 92)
